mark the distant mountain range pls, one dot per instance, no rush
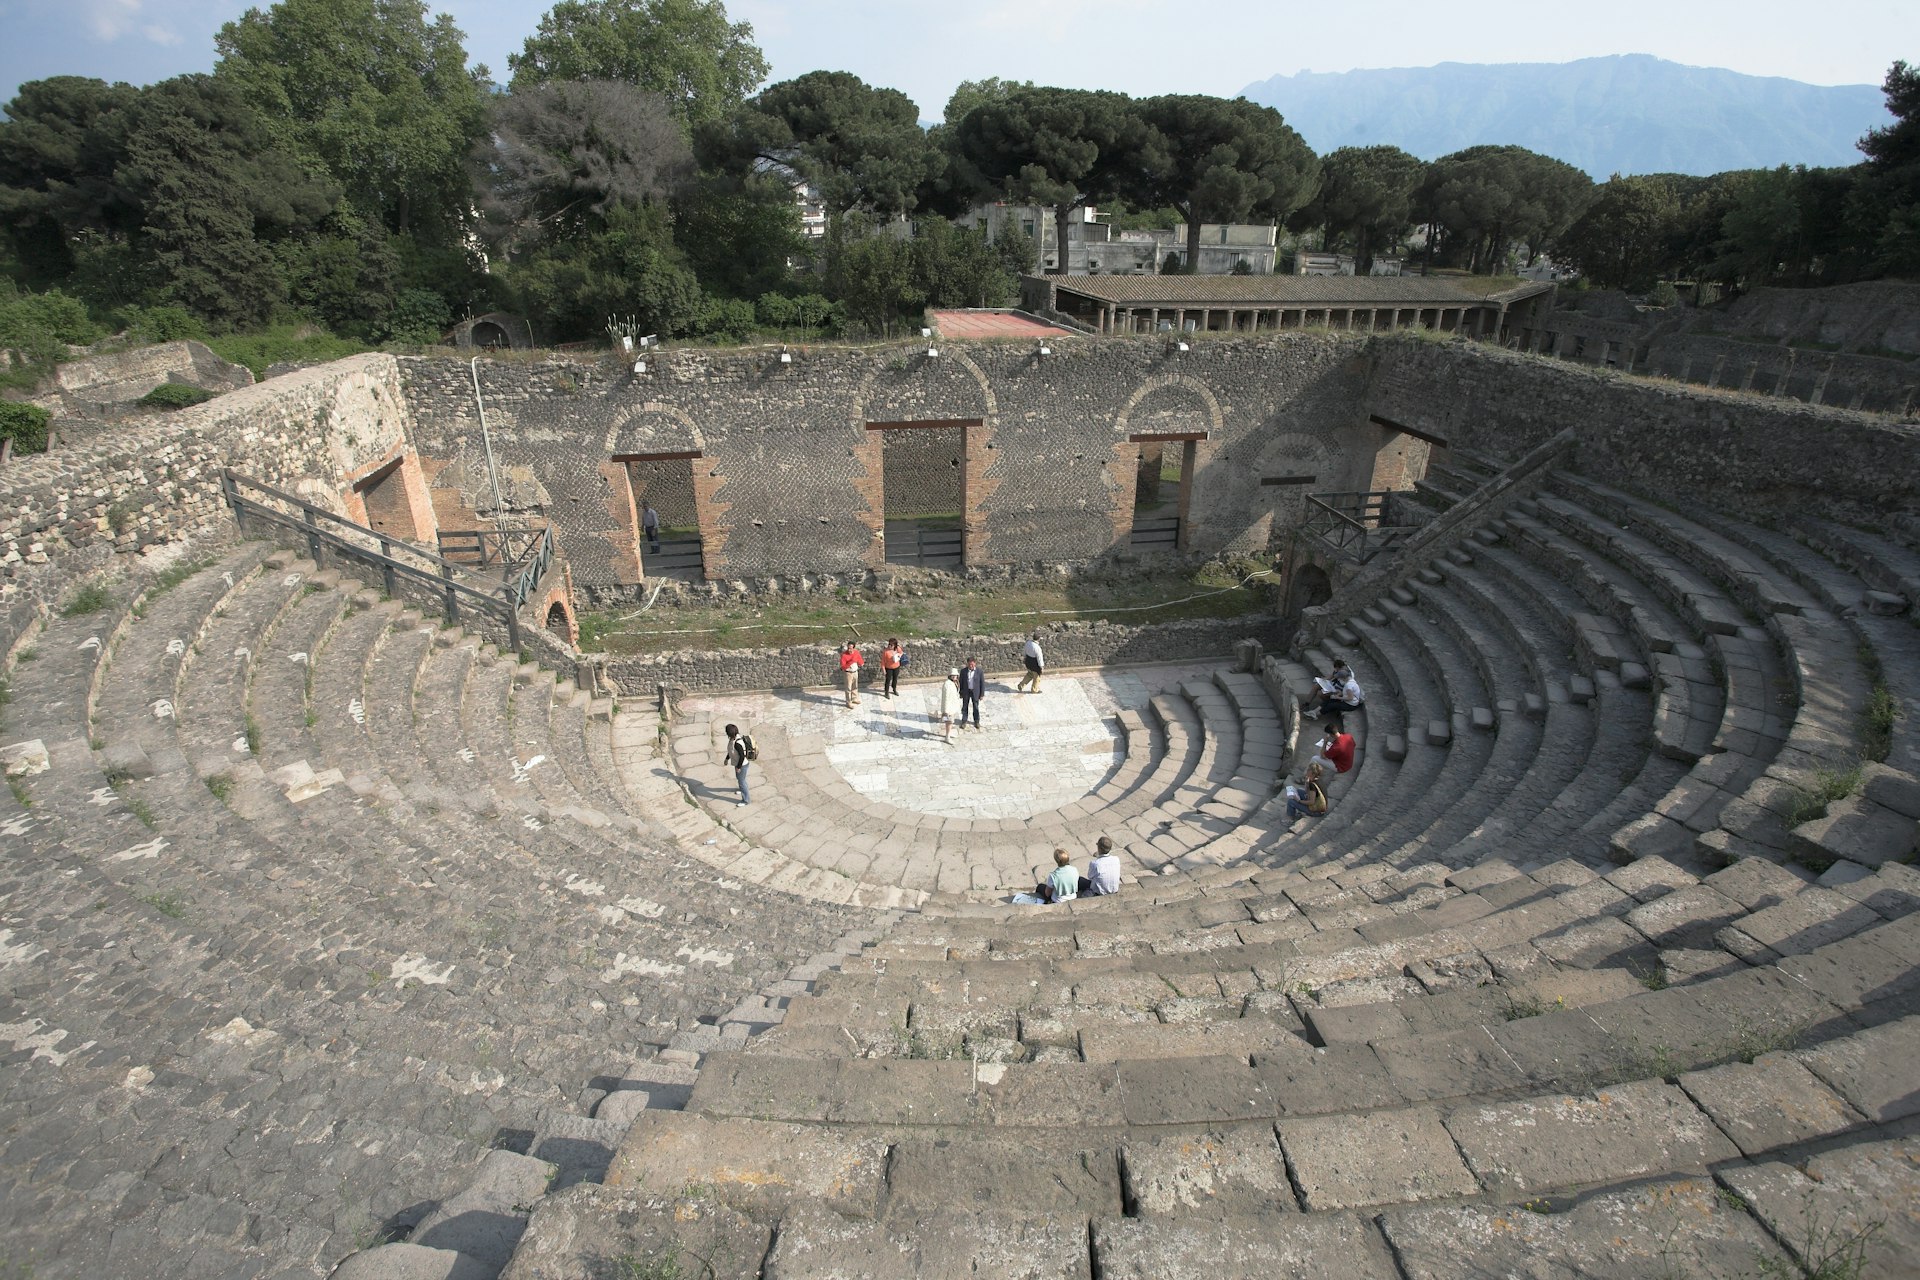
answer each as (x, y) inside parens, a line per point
(1629, 113)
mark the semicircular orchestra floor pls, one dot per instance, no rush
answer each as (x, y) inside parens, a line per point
(1031, 753)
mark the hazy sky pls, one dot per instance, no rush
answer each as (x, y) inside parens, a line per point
(925, 47)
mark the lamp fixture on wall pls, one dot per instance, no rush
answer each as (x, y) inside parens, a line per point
(786, 356)
(933, 352)
(1179, 345)
(1044, 350)
(639, 366)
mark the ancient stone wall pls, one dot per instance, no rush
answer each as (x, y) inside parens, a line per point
(160, 480)
(98, 384)
(1067, 645)
(1741, 452)
(791, 480)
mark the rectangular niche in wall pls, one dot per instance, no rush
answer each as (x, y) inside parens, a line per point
(924, 491)
(1163, 487)
(388, 510)
(665, 480)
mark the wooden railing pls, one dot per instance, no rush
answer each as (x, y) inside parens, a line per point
(404, 569)
(1354, 524)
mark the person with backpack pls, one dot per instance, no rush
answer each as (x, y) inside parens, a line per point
(740, 750)
(1307, 799)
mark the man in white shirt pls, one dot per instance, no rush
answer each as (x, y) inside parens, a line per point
(1103, 873)
(1036, 662)
(1339, 691)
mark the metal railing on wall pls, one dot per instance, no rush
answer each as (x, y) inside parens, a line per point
(1355, 524)
(502, 568)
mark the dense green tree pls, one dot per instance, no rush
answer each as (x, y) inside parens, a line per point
(563, 155)
(1885, 206)
(872, 275)
(1489, 198)
(740, 232)
(972, 93)
(685, 49)
(369, 94)
(60, 145)
(1225, 160)
(1627, 236)
(1059, 147)
(213, 194)
(628, 267)
(1365, 200)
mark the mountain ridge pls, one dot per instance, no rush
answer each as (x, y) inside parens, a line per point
(1620, 113)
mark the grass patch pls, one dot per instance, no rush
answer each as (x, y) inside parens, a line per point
(171, 577)
(1214, 591)
(1876, 726)
(170, 905)
(253, 735)
(91, 598)
(1828, 786)
(221, 784)
(284, 344)
(662, 1266)
(26, 655)
(21, 795)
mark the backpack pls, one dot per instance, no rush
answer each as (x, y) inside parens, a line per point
(747, 750)
(1316, 799)
(905, 658)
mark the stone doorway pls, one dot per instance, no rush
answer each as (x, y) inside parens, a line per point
(923, 469)
(1162, 490)
(666, 482)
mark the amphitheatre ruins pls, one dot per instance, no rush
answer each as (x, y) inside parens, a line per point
(355, 921)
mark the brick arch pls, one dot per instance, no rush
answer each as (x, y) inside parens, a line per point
(652, 428)
(1171, 403)
(913, 402)
(1290, 458)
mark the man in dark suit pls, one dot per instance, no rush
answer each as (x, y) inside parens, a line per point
(973, 686)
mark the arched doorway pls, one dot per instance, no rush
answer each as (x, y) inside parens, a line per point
(489, 336)
(559, 622)
(1310, 586)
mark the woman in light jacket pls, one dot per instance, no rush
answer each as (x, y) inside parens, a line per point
(949, 704)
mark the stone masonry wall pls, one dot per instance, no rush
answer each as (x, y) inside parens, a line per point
(160, 480)
(1740, 452)
(1067, 645)
(791, 482)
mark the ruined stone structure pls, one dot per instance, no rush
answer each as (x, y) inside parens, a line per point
(335, 941)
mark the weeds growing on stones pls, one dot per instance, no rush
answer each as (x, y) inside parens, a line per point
(1877, 724)
(1828, 786)
(91, 598)
(173, 576)
(170, 905)
(20, 794)
(221, 784)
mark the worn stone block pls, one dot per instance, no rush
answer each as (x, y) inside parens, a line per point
(1386, 1157)
(1319, 1246)
(1625, 1131)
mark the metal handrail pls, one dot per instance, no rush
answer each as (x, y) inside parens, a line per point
(397, 560)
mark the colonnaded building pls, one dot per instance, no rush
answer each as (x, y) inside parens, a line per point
(355, 922)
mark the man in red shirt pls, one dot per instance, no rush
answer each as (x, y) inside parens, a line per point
(1336, 747)
(850, 671)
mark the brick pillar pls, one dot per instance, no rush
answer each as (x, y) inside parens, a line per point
(869, 482)
(710, 514)
(976, 487)
(623, 535)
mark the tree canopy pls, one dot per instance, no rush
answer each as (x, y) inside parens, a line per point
(685, 49)
(1365, 199)
(1491, 197)
(1224, 160)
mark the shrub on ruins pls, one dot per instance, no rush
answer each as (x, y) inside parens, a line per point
(25, 425)
(176, 395)
(35, 331)
(739, 232)
(632, 267)
(163, 323)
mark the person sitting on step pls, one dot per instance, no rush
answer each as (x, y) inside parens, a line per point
(1334, 754)
(1338, 691)
(1307, 798)
(1064, 884)
(1103, 873)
